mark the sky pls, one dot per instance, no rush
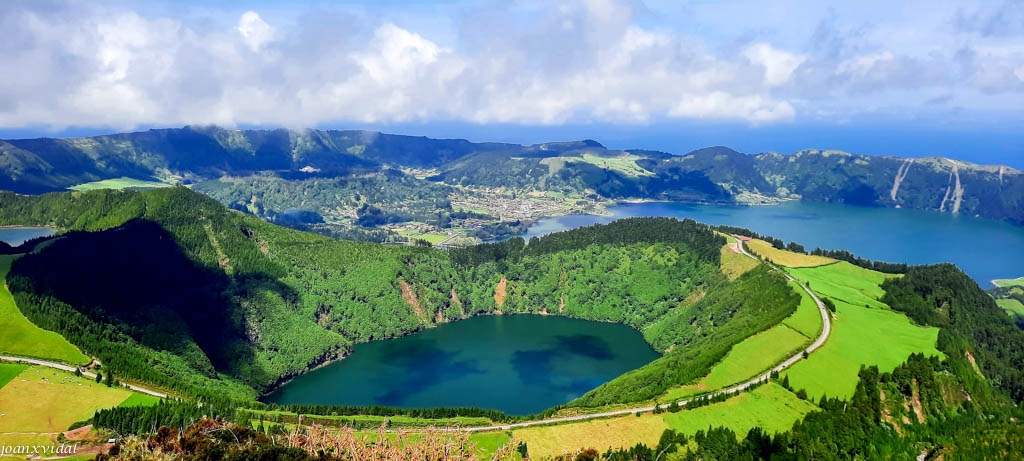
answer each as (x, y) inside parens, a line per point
(910, 78)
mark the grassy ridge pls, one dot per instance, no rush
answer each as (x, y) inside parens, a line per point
(21, 337)
(1011, 306)
(735, 264)
(807, 318)
(118, 184)
(864, 332)
(1017, 282)
(760, 351)
(756, 353)
(785, 258)
(703, 348)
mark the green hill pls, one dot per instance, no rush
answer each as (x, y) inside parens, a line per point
(168, 287)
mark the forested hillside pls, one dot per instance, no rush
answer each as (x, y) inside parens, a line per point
(169, 287)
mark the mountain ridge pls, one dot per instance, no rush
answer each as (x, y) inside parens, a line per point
(370, 182)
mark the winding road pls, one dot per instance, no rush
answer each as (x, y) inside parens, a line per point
(88, 374)
(825, 331)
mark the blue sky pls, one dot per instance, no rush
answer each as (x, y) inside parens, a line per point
(905, 78)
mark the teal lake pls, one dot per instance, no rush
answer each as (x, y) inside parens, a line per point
(520, 364)
(15, 236)
(983, 248)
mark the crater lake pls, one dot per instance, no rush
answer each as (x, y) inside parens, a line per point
(519, 364)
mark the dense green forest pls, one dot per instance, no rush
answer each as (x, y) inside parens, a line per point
(169, 287)
(972, 324)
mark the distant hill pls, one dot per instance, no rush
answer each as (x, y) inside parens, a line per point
(420, 175)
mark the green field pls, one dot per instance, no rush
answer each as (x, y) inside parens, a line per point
(47, 400)
(1017, 282)
(602, 434)
(625, 163)
(735, 264)
(755, 354)
(759, 352)
(843, 281)
(786, 258)
(118, 183)
(140, 400)
(770, 407)
(861, 335)
(489, 442)
(807, 318)
(9, 371)
(22, 338)
(433, 238)
(1011, 306)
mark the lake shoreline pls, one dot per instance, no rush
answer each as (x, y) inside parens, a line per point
(447, 351)
(911, 236)
(342, 354)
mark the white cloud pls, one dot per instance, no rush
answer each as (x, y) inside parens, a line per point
(85, 64)
(720, 105)
(778, 64)
(255, 31)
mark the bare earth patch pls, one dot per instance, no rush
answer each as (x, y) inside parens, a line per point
(409, 296)
(500, 294)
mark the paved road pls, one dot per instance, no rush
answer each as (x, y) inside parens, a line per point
(825, 331)
(61, 366)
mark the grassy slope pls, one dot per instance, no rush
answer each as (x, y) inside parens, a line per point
(21, 337)
(140, 400)
(786, 258)
(8, 371)
(1011, 306)
(735, 264)
(861, 335)
(1019, 282)
(46, 400)
(807, 319)
(118, 183)
(625, 164)
(769, 406)
(759, 352)
(600, 434)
